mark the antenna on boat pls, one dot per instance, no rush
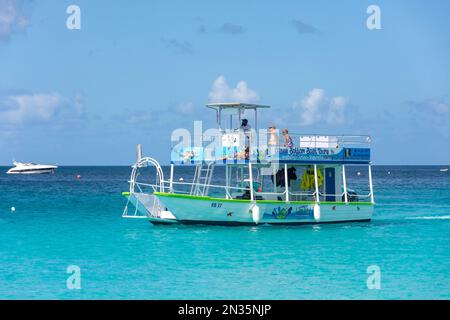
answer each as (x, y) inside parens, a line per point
(139, 152)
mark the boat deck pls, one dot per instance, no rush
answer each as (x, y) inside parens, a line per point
(233, 148)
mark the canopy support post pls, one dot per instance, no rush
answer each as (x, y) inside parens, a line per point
(227, 181)
(286, 182)
(251, 180)
(316, 183)
(171, 178)
(344, 182)
(371, 185)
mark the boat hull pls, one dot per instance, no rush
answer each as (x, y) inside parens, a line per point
(49, 171)
(206, 210)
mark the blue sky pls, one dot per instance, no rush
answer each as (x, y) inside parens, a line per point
(139, 69)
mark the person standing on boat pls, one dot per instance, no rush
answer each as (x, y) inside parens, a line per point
(246, 128)
(273, 136)
(287, 140)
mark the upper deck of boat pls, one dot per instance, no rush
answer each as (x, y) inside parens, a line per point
(234, 144)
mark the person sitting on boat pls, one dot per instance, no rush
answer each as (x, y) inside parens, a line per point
(287, 140)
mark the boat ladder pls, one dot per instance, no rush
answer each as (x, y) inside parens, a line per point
(202, 179)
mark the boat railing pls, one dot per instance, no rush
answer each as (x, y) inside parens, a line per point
(303, 194)
(265, 147)
(322, 194)
(292, 194)
(169, 185)
(266, 139)
(328, 141)
(139, 184)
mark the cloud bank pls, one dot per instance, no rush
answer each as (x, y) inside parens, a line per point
(20, 108)
(12, 18)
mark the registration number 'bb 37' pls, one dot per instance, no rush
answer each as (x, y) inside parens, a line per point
(216, 205)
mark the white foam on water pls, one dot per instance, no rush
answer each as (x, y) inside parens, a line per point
(429, 218)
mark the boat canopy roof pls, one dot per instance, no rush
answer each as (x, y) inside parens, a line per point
(235, 105)
(236, 110)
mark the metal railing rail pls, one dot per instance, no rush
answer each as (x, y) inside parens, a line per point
(155, 187)
(226, 189)
(262, 140)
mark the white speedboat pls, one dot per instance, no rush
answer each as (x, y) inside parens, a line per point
(31, 168)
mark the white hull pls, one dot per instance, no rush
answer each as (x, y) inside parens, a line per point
(204, 210)
(32, 172)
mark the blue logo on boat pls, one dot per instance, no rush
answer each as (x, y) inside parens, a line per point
(281, 213)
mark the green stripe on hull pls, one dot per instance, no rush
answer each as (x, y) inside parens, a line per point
(183, 196)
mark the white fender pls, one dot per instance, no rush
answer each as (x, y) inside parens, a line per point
(316, 212)
(256, 215)
(167, 215)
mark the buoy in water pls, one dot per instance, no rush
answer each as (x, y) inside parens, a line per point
(181, 179)
(359, 173)
(256, 216)
(13, 209)
(316, 211)
(78, 177)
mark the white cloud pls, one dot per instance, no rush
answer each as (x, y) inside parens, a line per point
(140, 117)
(440, 107)
(316, 107)
(12, 18)
(310, 106)
(222, 92)
(185, 108)
(23, 108)
(336, 110)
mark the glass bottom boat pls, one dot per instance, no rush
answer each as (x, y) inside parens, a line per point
(257, 183)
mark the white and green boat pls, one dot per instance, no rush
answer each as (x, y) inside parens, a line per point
(248, 176)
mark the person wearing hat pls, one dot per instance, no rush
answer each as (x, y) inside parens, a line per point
(245, 126)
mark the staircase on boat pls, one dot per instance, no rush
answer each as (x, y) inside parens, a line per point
(202, 178)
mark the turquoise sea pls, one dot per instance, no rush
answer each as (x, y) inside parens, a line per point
(60, 221)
